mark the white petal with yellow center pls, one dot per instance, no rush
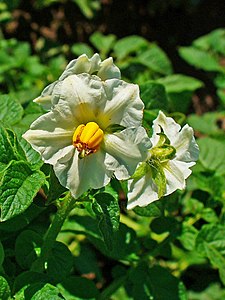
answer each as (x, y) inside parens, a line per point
(143, 191)
(90, 160)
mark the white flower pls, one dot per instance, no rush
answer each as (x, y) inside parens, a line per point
(103, 69)
(78, 135)
(173, 152)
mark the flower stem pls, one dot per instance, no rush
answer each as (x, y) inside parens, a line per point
(50, 237)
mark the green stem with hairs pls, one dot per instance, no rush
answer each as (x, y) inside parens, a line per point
(63, 211)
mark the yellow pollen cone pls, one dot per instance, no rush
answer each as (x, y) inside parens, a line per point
(88, 131)
(77, 132)
(96, 139)
(87, 138)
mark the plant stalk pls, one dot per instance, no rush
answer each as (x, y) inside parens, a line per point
(50, 237)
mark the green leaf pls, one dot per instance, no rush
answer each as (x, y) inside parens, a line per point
(215, 40)
(75, 286)
(153, 95)
(164, 284)
(156, 60)
(13, 149)
(207, 123)
(103, 43)
(213, 292)
(82, 48)
(213, 235)
(212, 155)
(2, 254)
(87, 261)
(128, 45)
(32, 156)
(153, 283)
(20, 221)
(7, 152)
(188, 236)
(27, 279)
(152, 210)
(107, 211)
(214, 185)
(60, 262)
(209, 215)
(177, 83)
(166, 224)
(4, 289)
(87, 7)
(200, 59)
(18, 188)
(49, 292)
(210, 242)
(28, 246)
(180, 101)
(124, 242)
(217, 259)
(11, 111)
(55, 188)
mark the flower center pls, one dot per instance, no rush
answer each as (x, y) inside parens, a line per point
(87, 138)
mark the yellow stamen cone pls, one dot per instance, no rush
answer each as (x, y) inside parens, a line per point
(96, 139)
(78, 132)
(87, 138)
(88, 131)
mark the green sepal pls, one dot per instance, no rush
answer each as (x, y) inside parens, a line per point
(141, 170)
(163, 139)
(163, 153)
(158, 176)
(114, 128)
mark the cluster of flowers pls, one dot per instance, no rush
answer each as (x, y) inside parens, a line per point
(93, 131)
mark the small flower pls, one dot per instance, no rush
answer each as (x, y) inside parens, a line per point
(173, 152)
(92, 133)
(103, 69)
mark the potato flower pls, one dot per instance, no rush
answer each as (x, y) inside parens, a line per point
(103, 69)
(92, 133)
(173, 152)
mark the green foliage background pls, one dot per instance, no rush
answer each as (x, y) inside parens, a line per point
(171, 249)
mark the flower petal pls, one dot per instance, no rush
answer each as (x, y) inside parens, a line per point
(104, 69)
(123, 105)
(125, 150)
(169, 126)
(82, 95)
(108, 70)
(111, 102)
(77, 66)
(176, 172)
(78, 175)
(45, 100)
(51, 135)
(186, 147)
(141, 192)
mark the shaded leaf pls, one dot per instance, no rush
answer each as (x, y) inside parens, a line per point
(153, 95)
(78, 287)
(107, 211)
(27, 248)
